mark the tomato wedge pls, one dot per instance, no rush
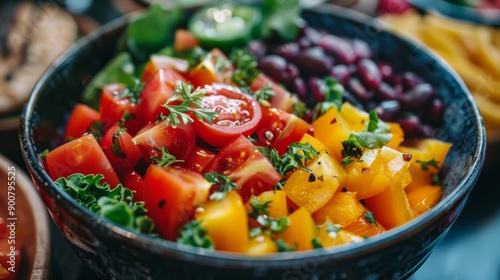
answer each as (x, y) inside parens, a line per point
(239, 114)
(170, 195)
(120, 150)
(240, 160)
(157, 91)
(179, 141)
(279, 129)
(115, 104)
(80, 120)
(282, 99)
(82, 155)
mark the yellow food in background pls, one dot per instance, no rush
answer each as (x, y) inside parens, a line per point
(472, 50)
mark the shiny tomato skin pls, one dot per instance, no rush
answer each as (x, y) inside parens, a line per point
(199, 159)
(241, 161)
(239, 114)
(113, 107)
(157, 91)
(81, 155)
(179, 141)
(171, 195)
(134, 181)
(157, 62)
(81, 118)
(282, 99)
(278, 129)
(125, 162)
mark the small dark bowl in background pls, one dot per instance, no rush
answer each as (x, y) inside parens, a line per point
(114, 253)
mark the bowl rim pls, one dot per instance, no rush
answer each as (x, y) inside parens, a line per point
(202, 256)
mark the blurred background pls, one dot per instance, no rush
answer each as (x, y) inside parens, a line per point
(465, 33)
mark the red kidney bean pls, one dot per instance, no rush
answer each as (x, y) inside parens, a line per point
(361, 49)
(387, 92)
(386, 71)
(417, 97)
(341, 73)
(299, 87)
(314, 61)
(315, 86)
(355, 86)
(287, 50)
(274, 66)
(369, 73)
(435, 112)
(338, 47)
(411, 80)
(388, 110)
(304, 42)
(258, 48)
(411, 125)
(312, 34)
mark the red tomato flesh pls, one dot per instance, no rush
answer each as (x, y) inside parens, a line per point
(238, 114)
(171, 195)
(80, 120)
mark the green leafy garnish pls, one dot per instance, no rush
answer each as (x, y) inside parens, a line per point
(194, 234)
(333, 91)
(435, 180)
(165, 159)
(258, 208)
(352, 149)
(222, 183)
(297, 156)
(370, 218)
(281, 17)
(316, 243)
(97, 130)
(132, 92)
(116, 147)
(114, 204)
(284, 247)
(190, 103)
(245, 67)
(425, 164)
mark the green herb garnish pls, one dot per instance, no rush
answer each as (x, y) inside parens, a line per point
(165, 158)
(425, 164)
(222, 183)
(194, 234)
(114, 204)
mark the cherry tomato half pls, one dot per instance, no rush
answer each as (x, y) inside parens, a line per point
(239, 114)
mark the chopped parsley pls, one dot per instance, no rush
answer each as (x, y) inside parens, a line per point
(370, 218)
(284, 247)
(333, 91)
(165, 158)
(316, 243)
(268, 224)
(222, 183)
(425, 164)
(116, 147)
(190, 105)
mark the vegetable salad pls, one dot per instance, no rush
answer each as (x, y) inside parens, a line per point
(197, 146)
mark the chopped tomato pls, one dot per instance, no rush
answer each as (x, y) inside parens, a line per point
(134, 181)
(157, 91)
(279, 129)
(240, 160)
(80, 120)
(115, 105)
(238, 114)
(179, 141)
(120, 150)
(282, 99)
(184, 40)
(215, 68)
(199, 159)
(82, 155)
(157, 62)
(171, 195)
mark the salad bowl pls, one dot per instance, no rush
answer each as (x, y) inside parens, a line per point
(115, 253)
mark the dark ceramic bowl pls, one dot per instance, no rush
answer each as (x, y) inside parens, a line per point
(114, 253)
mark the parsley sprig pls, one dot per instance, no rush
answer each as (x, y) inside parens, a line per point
(377, 135)
(185, 103)
(425, 164)
(114, 204)
(297, 156)
(223, 185)
(165, 158)
(194, 234)
(333, 91)
(268, 225)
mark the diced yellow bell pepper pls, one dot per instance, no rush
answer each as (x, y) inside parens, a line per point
(301, 231)
(260, 245)
(226, 223)
(423, 198)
